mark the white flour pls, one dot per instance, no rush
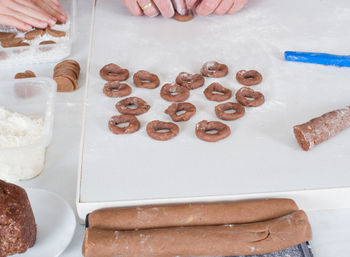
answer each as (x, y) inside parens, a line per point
(18, 159)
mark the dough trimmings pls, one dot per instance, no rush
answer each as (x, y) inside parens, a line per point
(221, 111)
(191, 81)
(25, 75)
(245, 94)
(155, 130)
(204, 129)
(125, 106)
(113, 72)
(115, 121)
(174, 93)
(249, 78)
(175, 108)
(216, 92)
(214, 69)
(145, 79)
(116, 89)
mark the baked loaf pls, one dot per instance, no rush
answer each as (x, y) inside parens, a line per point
(17, 223)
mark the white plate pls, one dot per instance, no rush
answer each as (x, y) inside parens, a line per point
(55, 221)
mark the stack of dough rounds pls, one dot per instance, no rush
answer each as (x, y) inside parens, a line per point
(66, 74)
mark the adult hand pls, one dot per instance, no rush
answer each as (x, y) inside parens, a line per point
(219, 7)
(153, 8)
(25, 14)
(51, 7)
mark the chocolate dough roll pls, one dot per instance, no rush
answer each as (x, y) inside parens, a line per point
(322, 128)
(228, 240)
(195, 214)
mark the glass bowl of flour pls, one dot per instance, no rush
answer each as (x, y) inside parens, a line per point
(26, 124)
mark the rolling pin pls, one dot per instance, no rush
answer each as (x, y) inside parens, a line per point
(227, 240)
(192, 214)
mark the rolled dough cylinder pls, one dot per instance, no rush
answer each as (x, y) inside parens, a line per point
(227, 240)
(195, 214)
(322, 128)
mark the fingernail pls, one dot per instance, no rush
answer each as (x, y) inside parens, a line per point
(62, 17)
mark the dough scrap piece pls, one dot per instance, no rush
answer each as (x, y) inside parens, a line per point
(34, 34)
(227, 240)
(55, 33)
(25, 75)
(191, 214)
(322, 128)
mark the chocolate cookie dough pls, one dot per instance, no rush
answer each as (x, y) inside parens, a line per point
(250, 98)
(116, 89)
(17, 223)
(205, 128)
(184, 18)
(191, 81)
(113, 72)
(173, 110)
(191, 214)
(25, 75)
(4, 36)
(174, 93)
(14, 42)
(66, 74)
(221, 111)
(30, 35)
(162, 131)
(47, 42)
(214, 69)
(322, 128)
(115, 121)
(145, 79)
(227, 240)
(126, 105)
(249, 78)
(216, 92)
(55, 33)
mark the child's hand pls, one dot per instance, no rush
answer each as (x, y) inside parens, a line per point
(218, 7)
(25, 14)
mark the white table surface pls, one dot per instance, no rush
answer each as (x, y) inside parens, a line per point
(331, 228)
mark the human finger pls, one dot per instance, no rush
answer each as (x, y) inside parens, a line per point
(26, 19)
(224, 7)
(13, 22)
(165, 7)
(30, 14)
(180, 6)
(50, 7)
(207, 7)
(51, 19)
(133, 7)
(237, 6)
(148, 7)
(190, 4)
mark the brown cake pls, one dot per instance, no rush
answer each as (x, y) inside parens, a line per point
(17, 223)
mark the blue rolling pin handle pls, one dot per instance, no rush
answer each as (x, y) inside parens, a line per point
(318, 58)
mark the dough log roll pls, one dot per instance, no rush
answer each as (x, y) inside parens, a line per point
(195, 214)
(227, 240)
(322, 128)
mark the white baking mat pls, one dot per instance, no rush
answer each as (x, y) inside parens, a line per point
(262, 154)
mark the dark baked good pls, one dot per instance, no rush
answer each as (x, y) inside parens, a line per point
(17, 223)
